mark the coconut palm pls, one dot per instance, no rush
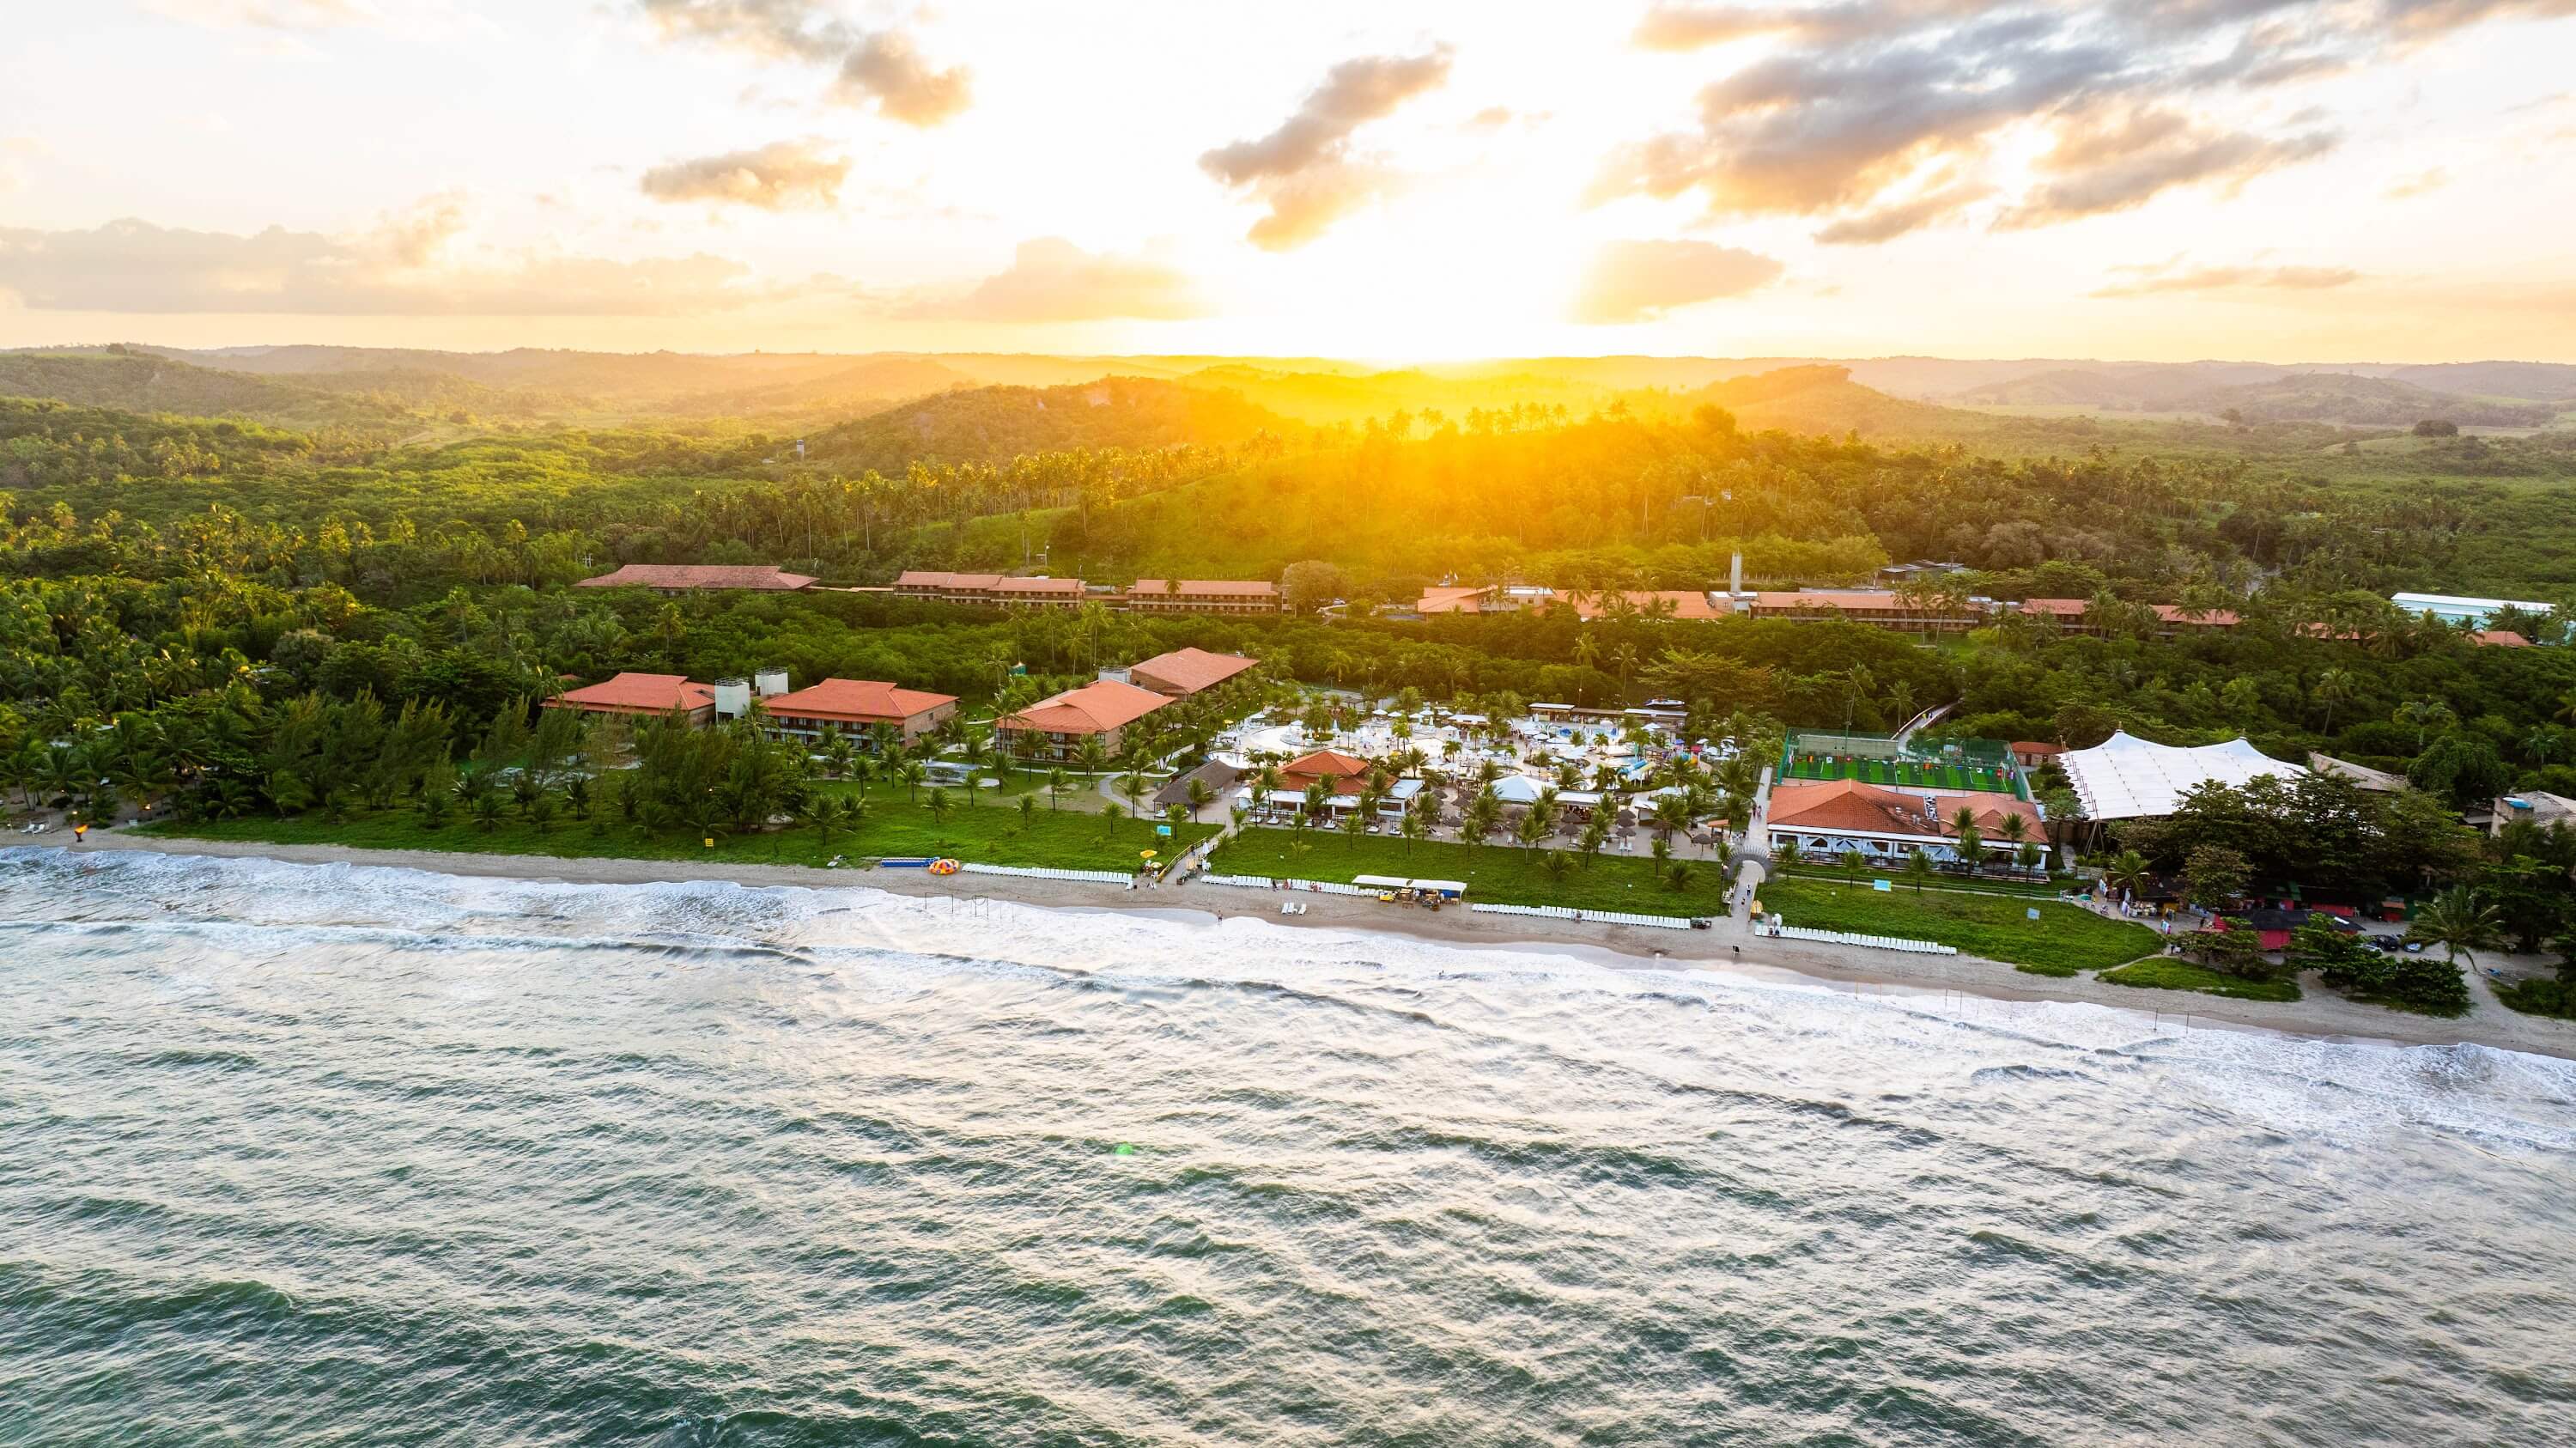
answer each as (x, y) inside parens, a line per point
(2127, 872)
(1918, 869)
(2335, 689)
(2459, 922)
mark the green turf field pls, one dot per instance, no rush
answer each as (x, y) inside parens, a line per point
(1899, 774)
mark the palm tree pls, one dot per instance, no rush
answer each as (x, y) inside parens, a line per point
(2011, 830)
(2457, 921)
(1413, 829)
(938, 804)
(1971, 841)
(2127, 872)
(1853, 862)
(1918, 869)
(1199, 797)
(2425, 715)
(1028, 810)
(1057, 785)
(2334, 687)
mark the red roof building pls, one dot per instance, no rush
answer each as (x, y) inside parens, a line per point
(1054, 728)
(1202, 595)
(1659, 603)
(1348, 774)
(1184, 672)
(2499, 638)
(670, 578)
(1851, 814)
(856, 707)
(1861, 605)
(642, 694)
(990, 589)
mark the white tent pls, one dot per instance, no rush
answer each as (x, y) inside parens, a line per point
(1517, 789)
(2125, 777)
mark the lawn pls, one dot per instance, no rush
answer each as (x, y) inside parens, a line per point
(1494, 874)
(2061, 940)
(2045, 889)
(2168, 973)
(984, 834)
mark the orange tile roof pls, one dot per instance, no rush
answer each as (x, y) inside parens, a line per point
(865, 701)
(1037, 585)
(2056, 607)
(1348, 773)
(1686, 604)
(1451, 600)
(926, 578)
(1855, 806)
(1190, 670)
(1095, 708)
(1848, 600)
(2499, 638)
(764, 577)
(2215, 618)
(1205, 587)
(639, 693)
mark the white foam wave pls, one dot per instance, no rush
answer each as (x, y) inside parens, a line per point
(1802, 1035)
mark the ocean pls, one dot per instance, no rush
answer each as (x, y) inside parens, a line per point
(338, 1155)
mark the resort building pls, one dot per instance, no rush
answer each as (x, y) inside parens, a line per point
(2127, 778)
(2469, 612)
(1863, 605)
(2074, 615)
(1647, 603)
(855, 707)
(1184, 672)
(1202, 595)
(2362, 776)
(669, 579)
(990, 590)
(1840, 816)
(1053, 728)
(2538, 806)
(645, 695)
(1484, 598)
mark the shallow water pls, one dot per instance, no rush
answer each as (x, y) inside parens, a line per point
(301, 1154)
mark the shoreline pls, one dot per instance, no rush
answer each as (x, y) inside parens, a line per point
(1727, 949)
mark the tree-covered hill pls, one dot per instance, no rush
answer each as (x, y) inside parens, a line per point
(138, 382)
(989, 424)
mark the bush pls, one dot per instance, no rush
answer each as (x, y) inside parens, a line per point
(2540, 997)
(2408, 982)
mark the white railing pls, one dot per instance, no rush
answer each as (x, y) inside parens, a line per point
(1594, 917)
(1032, 872)
(1265, 882)
(1845, 937)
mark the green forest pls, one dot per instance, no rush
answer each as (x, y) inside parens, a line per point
(231, 609)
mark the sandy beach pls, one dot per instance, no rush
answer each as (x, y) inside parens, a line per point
(1728, 947)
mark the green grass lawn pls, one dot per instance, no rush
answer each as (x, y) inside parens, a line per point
(985, 834)
(1984, 884)
(2169, 973)
(2063, 939)
(1494, 874)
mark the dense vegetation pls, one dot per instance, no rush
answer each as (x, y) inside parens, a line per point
(223, 613)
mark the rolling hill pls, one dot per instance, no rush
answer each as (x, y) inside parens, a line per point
(135, 381)
(989, 424)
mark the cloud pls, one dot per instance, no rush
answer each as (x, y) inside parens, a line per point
(878, 68)
(1853, 102)
(886, 68)
(296, 15)
(2115, 164)
(1304, 170)
(2431, 178)
(781, 176)
(408, 265)
(1052, 280)
(1895, 218)
(1635, 281)
(2164, 277)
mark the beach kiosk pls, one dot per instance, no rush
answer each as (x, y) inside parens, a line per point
(1398, 889)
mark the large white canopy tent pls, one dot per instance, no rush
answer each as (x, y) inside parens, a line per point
(2125, 777)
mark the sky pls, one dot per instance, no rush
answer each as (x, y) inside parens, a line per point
(1406, 180)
